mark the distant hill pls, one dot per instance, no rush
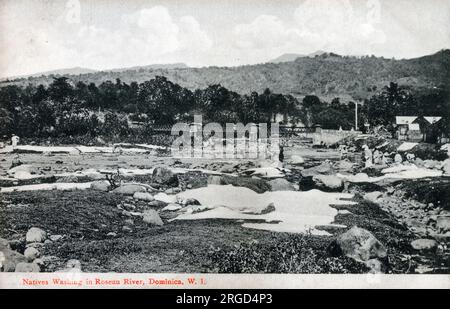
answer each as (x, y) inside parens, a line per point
(68, 71)
(152, 67)
(286, 58)
(327, 75)
(292, 57)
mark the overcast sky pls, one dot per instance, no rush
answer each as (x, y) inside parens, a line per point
(42, 35)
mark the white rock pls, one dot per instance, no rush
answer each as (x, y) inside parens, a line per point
(144, 196)
(424, 244)
(172, 207)
(152, 217)
(163, 197)
(31, 254)
(295, 159)
(373, 196)
(27, 268)
(35, 234)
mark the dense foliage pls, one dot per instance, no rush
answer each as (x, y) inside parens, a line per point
(64, 109)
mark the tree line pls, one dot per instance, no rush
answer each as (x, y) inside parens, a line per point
(65, 109)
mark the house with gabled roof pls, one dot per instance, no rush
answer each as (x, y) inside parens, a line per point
(416, 128)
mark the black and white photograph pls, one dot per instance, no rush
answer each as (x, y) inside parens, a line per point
(224, 144)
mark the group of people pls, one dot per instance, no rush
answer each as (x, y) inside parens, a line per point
(377, 157)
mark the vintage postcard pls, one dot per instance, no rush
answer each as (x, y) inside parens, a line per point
(224, 144)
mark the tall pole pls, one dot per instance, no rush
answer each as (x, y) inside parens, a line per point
(356, 116)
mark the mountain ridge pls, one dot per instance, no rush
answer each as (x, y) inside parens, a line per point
(327, 75)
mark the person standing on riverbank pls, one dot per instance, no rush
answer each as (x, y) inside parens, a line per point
(14, 141)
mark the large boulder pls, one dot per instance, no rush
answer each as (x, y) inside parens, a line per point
(360, 244)
(22, 170)
(172, 207)
(31, 254)
(9, 258)
(27, 268)
(296, 159)
(129, 189)
(35, 234)
(163, 197)
(257, 185)
(281, 184)
(214, 180)
(324, 169)
(424, 244)
(446, 167)
(373, 196)
(143, 196)
(329, 183)
(152, 217)
(163, 175)
(443, 223)
(101, 185)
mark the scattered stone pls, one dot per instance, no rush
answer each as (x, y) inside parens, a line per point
(360, 244)
(325, 169)
(344, 212)
(188, 201)
(4, 244)
(23, 169)
(69, 178)
(256, 184)
(269, 208)
(214, 180)
(129, 221)
(163, 197)
(129, 189)
(35, 234)
(31, 254)
(296, 159)
(36, 245)
(100, 185)
(128, 207)
(345, 165)
(430, 163)
(8, 257)
(446, 166)
(424, 244)
(281, 184)
(72, 266)
(127, 229)
(55, 237)
(443, 223)
(328, 182)
(228, 168)
(172, 207)
(156, 203)
(373, 196)
(163, 175)
(152, 217)
(376, 267)
(24, 267)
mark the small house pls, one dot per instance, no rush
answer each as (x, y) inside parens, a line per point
(417, 129)
(408, 129)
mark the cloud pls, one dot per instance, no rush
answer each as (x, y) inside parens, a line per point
(142, 37)
(331, 25)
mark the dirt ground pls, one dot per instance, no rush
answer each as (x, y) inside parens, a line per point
(87, 218)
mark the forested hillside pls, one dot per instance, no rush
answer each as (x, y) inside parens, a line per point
(327, 75)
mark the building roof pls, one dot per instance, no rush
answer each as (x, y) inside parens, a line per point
(405, 119)
(432, 119)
